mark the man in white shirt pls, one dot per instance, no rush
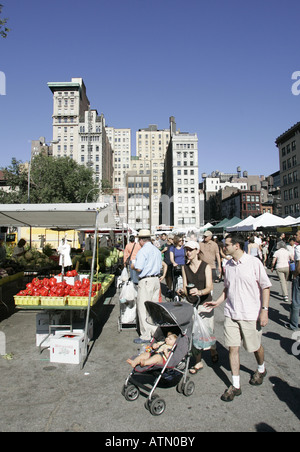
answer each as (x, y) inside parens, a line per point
(247, 294)
(148, 264)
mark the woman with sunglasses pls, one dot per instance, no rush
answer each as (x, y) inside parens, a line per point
(199, 273)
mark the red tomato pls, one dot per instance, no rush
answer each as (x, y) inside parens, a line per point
(69, 274)
(52, 282)
(85, 282)
(60, 292)
(77, 284)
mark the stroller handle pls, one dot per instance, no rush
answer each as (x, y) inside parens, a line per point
(198, 301)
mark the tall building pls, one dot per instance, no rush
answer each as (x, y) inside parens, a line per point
(95, 150)
(180, 201)
(120, 141)
(289, 158)
(139, 199)
(151, 147)
(78, 131)
(69, 104)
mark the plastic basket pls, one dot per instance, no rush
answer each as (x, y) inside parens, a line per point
(26, 300)
(53, 301)
(81, 301)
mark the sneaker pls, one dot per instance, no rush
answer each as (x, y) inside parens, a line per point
(257, 378)
(285, 299)
(230, 394)
(141, 341)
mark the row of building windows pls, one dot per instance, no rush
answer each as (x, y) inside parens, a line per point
(186, 220)
(290, 178)
(292, 193)
(186, 190)
(292, 209)
(287, 149)
(289, 163)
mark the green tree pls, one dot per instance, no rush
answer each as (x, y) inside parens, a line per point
(3, 29)
(52, 180)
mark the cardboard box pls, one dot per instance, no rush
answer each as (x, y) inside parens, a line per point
(67, 348)
(69, 279)
(78, 328)
(43, 319)
(42, 327)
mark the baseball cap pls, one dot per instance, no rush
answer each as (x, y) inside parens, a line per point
(192, 244)
(207, 234)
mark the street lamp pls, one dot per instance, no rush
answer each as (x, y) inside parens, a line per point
(96, 188)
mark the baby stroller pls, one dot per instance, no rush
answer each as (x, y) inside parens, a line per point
(176, 317)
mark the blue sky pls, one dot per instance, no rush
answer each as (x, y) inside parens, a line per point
(223, 68)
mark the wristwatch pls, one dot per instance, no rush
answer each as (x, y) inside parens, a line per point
(264, 308)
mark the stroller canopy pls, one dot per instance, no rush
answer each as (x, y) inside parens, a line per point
(172, 314)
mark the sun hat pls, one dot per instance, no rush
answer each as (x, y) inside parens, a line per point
(144, 233)
(192, 244)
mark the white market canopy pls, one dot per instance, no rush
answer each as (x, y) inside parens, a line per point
(266, 220)
(62, 216)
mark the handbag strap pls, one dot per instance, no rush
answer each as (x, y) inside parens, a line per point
(131, 252)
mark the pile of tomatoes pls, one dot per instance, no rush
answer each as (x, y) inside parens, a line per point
(49, 287)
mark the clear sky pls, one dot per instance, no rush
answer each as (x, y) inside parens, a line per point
(223, 68)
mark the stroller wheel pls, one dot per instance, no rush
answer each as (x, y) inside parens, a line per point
(157, 406)
(188, 388)
(179, 387)
(131, 393)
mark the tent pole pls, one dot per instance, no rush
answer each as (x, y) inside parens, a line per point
(85, 345)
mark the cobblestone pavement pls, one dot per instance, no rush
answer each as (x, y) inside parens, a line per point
(40, 396)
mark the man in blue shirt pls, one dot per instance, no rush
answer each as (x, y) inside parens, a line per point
(148, 264)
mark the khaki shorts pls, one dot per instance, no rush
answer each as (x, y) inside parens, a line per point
(241, 331)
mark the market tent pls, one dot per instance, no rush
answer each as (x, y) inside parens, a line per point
(224, 224)
(205, 227)
(219, 225)
(68, 216)
(266, 220)
(241, 224)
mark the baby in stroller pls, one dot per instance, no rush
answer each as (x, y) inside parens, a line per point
(156, 354)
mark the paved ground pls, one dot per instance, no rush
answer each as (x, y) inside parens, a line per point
(40, 396)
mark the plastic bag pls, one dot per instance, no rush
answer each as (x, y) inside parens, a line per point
(124, 275)
(203, 337)
(128, 292)
(129, 314)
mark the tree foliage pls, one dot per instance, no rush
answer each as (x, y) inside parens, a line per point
(52, 180)
(3, 29)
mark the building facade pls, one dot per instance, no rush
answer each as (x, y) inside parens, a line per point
(139, 201)
(289, 159)
(120, 141)
(242, 204)
(180, 199)
(78, 131)
(151, 147)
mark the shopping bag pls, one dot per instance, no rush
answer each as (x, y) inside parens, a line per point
(124, 275)
(203, 337)
(129, 314)
(128, 292)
